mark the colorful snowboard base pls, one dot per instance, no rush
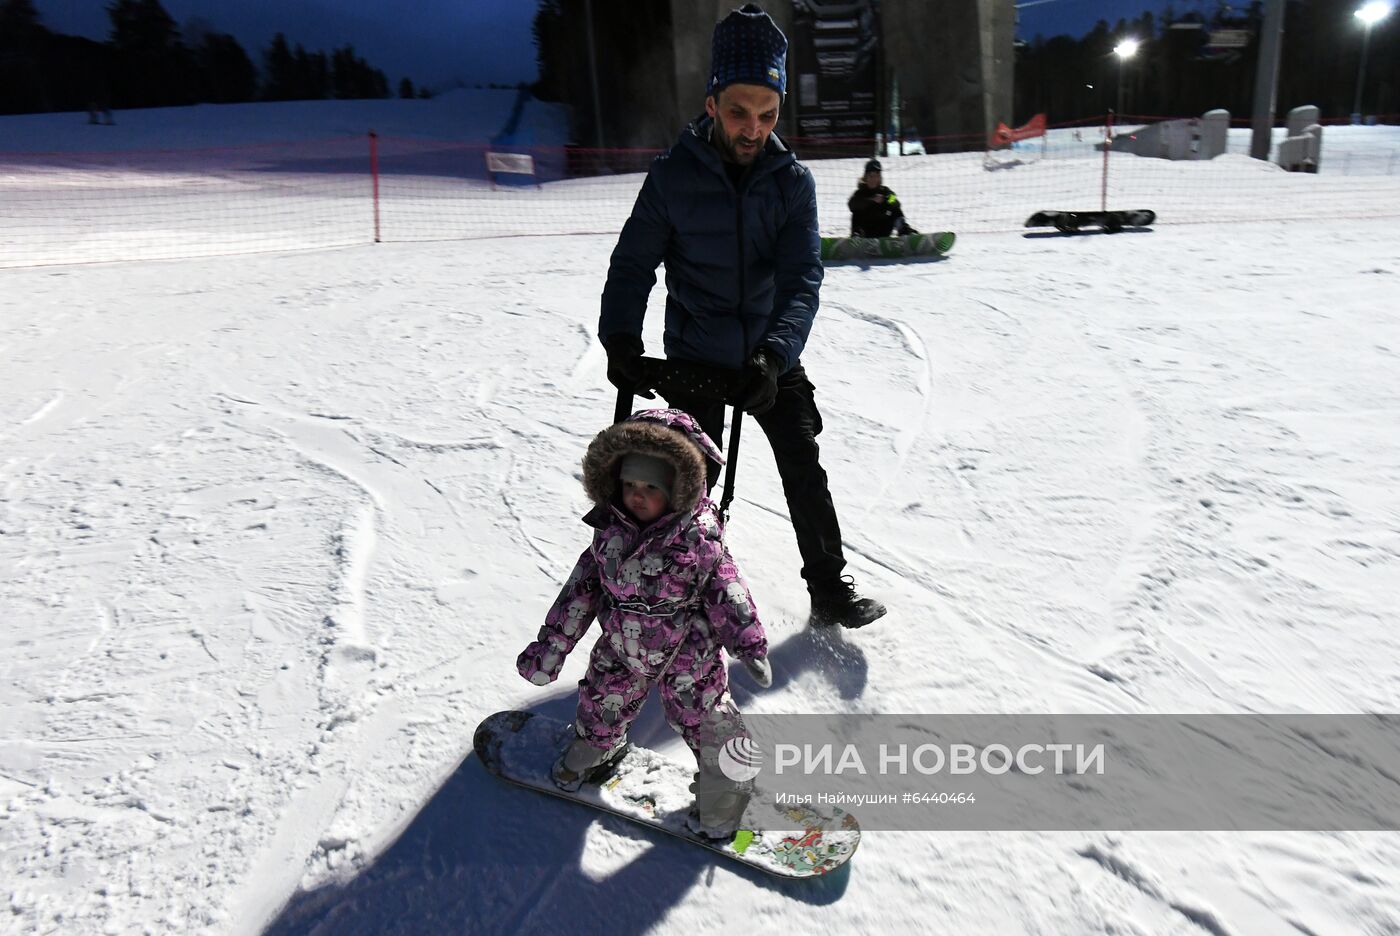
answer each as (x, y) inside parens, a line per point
(654, 791)
(837, 249)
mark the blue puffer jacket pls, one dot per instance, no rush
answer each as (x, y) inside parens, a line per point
(743, 268)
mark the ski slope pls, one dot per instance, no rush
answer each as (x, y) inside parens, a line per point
(273, 529)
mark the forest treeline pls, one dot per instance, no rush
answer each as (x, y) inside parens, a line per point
(148, 62)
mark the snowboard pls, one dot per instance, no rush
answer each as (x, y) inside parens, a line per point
(887, 248)
(654, 791)
(1111, 221)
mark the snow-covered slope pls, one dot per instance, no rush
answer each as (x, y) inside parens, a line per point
(461, 116)
(273, 528)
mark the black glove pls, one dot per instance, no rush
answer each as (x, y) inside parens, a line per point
(761, 387)
(625, 364)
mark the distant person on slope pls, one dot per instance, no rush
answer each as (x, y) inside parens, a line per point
(875, 212)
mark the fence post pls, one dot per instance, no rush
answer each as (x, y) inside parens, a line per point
(374, 176)
(1107, 145)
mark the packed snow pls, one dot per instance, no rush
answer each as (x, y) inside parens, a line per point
(273, 529)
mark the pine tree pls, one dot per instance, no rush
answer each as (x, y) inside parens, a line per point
(228, 75)
(280, 71)
(320, 76)
(343, 73)
(305, 82)
(19, 21)
(154, 68)
(22, 85)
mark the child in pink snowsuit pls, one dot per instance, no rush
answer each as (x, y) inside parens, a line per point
(668, 599)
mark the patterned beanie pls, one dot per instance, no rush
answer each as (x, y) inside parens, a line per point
(748, 48)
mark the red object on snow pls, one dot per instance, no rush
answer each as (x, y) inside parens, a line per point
(1004, 135)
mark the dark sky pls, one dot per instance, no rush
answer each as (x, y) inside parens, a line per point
(475, 41)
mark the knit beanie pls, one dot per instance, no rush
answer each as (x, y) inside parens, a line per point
(748, 48)
(648, 469)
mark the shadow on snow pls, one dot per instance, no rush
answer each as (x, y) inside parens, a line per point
(484, 856)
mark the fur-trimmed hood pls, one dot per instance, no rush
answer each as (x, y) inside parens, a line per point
(668, 434)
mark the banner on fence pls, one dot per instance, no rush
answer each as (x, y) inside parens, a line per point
(511, 164)
(516, 163)
(835, 56)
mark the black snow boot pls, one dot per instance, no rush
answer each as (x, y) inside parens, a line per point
(838, 603)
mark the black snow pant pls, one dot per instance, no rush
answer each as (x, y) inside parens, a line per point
(792, 426)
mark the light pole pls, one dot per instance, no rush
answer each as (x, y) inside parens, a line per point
(1370, 14)
(1124, 50)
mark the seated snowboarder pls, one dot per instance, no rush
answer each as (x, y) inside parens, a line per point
(875, 212)
(669, 599)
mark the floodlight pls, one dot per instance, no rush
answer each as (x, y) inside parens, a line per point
(1373, 12)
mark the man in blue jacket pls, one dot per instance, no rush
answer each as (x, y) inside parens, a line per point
(734, 217)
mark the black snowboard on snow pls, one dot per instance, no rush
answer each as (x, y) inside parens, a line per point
(1111, 221)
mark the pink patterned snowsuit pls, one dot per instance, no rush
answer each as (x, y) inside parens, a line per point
(667, 598)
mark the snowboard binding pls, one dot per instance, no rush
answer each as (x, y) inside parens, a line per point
(582, 763)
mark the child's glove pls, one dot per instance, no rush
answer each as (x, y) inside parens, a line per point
(760, 671)
(540, 663)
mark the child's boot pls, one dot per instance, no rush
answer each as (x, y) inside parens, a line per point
(719, 805)
(583, 763)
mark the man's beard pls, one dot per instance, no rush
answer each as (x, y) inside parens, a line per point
(729, 150)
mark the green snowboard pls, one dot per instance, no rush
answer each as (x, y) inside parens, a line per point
(838, 249)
